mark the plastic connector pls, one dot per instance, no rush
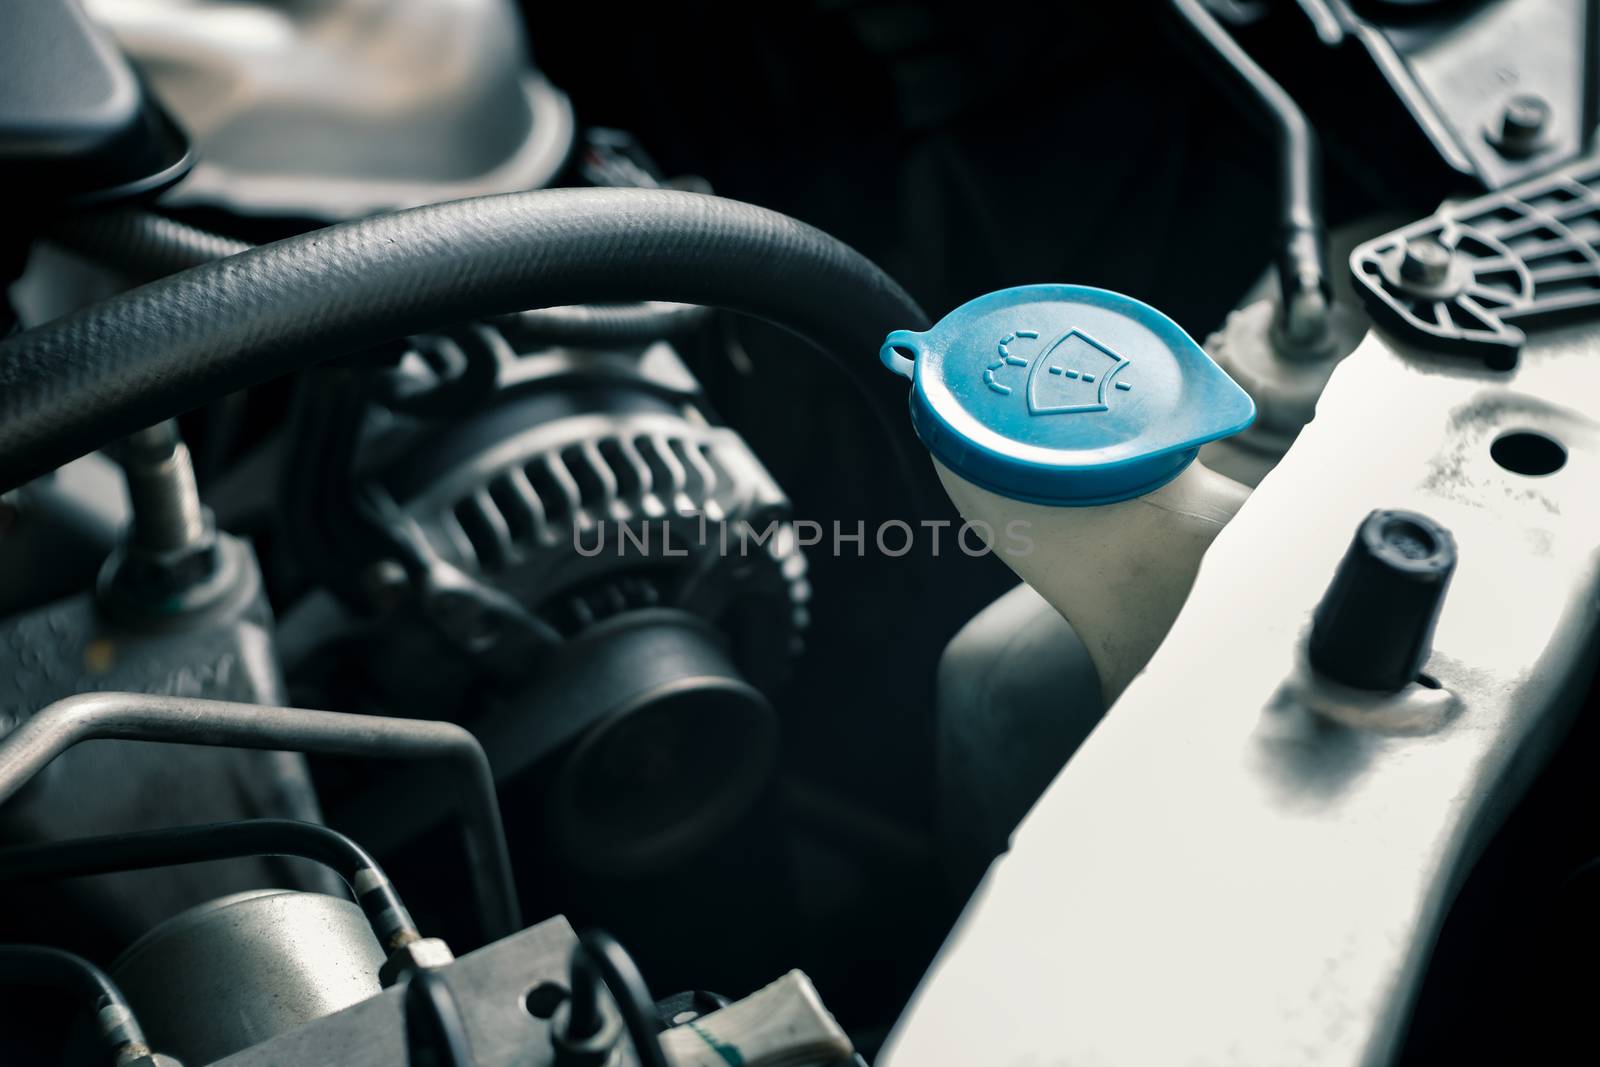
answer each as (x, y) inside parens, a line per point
(1374, 626)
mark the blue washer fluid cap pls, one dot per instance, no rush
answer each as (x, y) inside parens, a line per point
(1063, 394)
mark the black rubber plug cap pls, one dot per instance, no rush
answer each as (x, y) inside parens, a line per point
(1374, 627)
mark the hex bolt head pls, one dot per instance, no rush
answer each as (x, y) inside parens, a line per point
(1523, 123)
(145, 1058)
(415, 955)
(1374, 626)
(1426, 262)
(386, 584)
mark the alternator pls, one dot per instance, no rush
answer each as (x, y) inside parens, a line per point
(574, 541)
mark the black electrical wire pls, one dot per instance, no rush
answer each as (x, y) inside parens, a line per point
(151, 353)
(145, 849)
(1303, 256)
(599, 962)
(436, 1034)
(35, 965)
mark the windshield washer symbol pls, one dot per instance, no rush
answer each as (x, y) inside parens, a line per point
(1072, 374)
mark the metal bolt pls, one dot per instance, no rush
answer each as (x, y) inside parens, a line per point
(386, 584)
(167, 515)
(1523, 123)
(424, 952)
(172, 558)
(1426, 262)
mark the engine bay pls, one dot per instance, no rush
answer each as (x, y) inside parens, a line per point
(512, 515)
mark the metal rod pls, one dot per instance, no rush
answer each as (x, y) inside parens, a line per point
(34, 965)
(192, 721)
(145, 849)
(1303, 254)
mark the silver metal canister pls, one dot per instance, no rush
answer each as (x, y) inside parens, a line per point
(236, 971)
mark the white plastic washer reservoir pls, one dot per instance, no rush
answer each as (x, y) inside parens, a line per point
(1064, 422)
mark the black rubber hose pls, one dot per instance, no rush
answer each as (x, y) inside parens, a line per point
(436, 1033)
(143, 246)
(1303, 255)
(71, 385)
(34, 965)
(168, 847)
(600, 962)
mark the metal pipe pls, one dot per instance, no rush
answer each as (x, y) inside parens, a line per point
(1303, 254)
(190, 720)
(142, 850)
(33, 965)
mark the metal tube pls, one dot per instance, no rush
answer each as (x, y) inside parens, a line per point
(1303, 254)
(32, 965)
(391, 923)
(190, 720)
